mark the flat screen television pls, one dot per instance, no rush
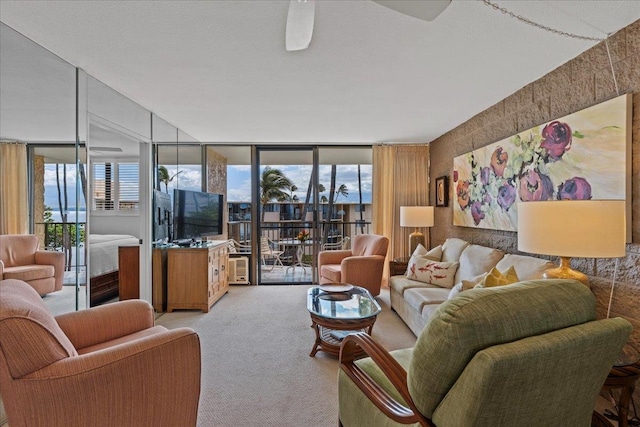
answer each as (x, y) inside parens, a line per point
(161, 216)
(196, 214)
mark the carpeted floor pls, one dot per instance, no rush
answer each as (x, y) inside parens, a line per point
(256, 369)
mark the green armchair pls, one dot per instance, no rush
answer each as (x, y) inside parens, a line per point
(528, 354)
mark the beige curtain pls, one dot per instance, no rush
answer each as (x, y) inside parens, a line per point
(400, 178)
(13, 189)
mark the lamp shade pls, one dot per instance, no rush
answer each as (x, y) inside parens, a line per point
(416, 216)
(573, 228)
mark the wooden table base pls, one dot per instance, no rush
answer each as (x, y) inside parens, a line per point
(323, 328)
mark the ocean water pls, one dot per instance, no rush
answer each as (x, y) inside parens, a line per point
(71, 216)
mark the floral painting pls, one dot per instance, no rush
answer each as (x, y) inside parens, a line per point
(580, 156)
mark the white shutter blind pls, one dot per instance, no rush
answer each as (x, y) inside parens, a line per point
(116, 186)
(128, 182)
(103, 190)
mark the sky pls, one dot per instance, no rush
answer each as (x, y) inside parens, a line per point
(238, 181)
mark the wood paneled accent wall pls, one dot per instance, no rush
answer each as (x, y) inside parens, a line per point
(584, 81)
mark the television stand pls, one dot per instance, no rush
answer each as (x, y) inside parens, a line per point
(183, 243)
(197, 276)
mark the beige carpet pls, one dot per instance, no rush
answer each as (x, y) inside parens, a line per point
(256, 369)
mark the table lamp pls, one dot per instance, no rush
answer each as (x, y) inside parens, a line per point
(416, 216)
(572, 228)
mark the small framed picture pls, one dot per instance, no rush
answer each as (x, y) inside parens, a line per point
(442, 191)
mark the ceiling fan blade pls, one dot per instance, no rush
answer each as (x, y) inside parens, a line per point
(426, 10)
(299, 24)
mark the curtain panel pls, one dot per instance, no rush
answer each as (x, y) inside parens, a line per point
(400, 178)
(13, 189)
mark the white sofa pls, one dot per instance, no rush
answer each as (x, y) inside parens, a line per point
(415, 301)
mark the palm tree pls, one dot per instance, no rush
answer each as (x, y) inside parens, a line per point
(293, 197)
(163, 176)
(342, 190)
(273, 184)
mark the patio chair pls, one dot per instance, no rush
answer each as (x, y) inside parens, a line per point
(339, 245)
(235, 247)
(267, 252)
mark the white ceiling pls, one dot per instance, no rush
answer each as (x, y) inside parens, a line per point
(219, 71)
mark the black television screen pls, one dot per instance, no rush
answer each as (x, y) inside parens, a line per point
(196, 214)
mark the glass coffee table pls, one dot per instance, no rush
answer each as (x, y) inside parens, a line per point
(337, 310)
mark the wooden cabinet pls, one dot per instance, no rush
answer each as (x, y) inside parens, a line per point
(196, 277)
(159, 279)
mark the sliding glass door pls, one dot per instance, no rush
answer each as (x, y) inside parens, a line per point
(287, 218)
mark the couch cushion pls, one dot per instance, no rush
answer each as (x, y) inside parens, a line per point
(437, 273)
(475, 260)
(452, 249)
(527, 267)
(29, 335)
(400, 284)
(331, 272)
(29, 272)
(417, 298)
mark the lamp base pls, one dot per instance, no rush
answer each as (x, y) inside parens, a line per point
(415, 238)
(564, 271)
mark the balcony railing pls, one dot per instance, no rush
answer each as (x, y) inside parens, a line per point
(331, 231)
(61, 237)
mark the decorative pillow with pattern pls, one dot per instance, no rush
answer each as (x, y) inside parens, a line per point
(440, 274)
(497, 278)
(421, 253)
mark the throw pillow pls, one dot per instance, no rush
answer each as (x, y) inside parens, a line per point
(497, 278)
(421, 253)
(432, 272)
(435, 254)
(419, 250)
(465, 285)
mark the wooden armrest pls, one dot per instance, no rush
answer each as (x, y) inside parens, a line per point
(395, 373)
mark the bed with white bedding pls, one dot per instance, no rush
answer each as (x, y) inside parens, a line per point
(103, 264)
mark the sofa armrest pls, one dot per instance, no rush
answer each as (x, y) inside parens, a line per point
(95, 325)
(56, 259)
(397, 376)
(151, 381)
(332, 257)
(1, 270)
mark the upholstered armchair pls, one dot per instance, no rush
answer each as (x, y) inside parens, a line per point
(104, 366)
(20, 259)
(362, 265)
(527, 354)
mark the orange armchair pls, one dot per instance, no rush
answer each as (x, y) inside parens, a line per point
(107, 365)
(20, 259)
(361, 266)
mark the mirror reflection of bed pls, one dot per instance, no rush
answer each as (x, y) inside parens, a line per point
(114, 220)
(103, 252)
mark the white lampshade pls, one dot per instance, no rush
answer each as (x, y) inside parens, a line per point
(416, 216)
(573, 228)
